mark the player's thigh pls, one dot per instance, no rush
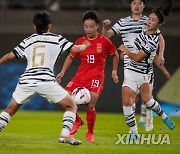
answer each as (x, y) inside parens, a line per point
(128, 96)
(68, 104)
(146, 92)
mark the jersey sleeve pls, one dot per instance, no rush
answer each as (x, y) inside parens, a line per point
(19, 51)
(110, 47)
(64, 44)
(116, 28)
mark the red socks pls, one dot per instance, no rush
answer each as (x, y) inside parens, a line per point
(91, 118)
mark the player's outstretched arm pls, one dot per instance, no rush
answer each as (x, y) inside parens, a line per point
(135, 56)
(79, 48)
(161, 50)
(162, 68)
(68, 61)
(7, 57)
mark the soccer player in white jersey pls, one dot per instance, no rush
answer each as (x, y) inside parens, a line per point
(139, 73)
(129, 28)
(41, 50)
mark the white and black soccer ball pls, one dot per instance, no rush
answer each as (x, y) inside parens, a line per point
(81, 95)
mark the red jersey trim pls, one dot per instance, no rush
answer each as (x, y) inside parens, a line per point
(112, 53)
(72, 55)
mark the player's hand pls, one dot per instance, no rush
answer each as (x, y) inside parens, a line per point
(167, 75)
(122, 48)
(115, 78)
(59, 77)
(106, 23)
(161, 60)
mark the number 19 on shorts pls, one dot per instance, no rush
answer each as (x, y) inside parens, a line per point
(95, 83)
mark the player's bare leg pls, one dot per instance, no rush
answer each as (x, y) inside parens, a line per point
(6, 115)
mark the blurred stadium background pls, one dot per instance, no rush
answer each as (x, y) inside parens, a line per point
(16, 24)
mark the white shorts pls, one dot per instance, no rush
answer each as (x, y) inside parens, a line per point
(52, 91)
(134, 80)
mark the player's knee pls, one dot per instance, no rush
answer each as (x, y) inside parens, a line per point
(68, 103)
(128, 101)
(145, 99)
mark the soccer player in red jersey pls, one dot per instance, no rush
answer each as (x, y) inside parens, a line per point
(90, 73)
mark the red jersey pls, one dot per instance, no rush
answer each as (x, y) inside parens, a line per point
(90, 73)
(93, 58)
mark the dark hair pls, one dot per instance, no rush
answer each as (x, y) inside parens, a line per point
(41, 21)
(164, 10)
(91, 14)
(141, 0)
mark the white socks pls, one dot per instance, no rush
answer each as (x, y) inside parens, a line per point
(154, 106)
(4, 119)
(129, 115)
(68, 121)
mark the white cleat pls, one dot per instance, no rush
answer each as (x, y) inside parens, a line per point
(71, 141)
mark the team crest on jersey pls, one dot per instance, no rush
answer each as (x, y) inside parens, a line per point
(69, 84)
(147, 46)
(99, 47)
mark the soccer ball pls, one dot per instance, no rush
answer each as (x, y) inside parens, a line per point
(81, 95)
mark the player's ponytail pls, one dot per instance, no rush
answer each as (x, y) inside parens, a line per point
(164, 10)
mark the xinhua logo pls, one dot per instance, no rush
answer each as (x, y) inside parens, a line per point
(143, 139)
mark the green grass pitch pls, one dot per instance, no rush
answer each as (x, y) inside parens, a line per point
(37, 132)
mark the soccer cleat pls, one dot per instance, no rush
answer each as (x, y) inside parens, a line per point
(142, 123)
(132, 137)
(71, 141)
(76, 125)
(90, 137)
(169, 123)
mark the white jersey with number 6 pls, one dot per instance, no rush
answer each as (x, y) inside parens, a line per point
(41, 53)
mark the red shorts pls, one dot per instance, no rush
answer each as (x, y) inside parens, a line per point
(95, 84)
